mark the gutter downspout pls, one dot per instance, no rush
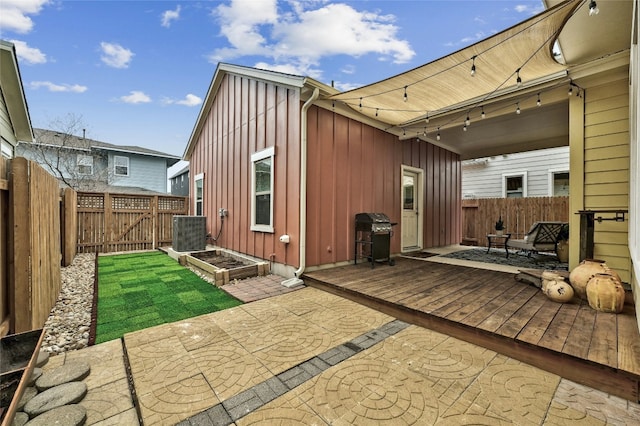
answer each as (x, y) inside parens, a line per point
(303, 192)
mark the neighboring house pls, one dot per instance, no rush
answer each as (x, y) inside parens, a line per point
(15, 123)
(180, 182)
(283, 166)
(540, 173)
(90, 165)
(248, 149)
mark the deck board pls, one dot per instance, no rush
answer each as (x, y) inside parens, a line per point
(492, 309)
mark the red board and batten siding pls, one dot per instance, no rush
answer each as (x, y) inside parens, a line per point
(354, 168)
(248, 116)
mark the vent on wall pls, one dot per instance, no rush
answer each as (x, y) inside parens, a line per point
(189, 233)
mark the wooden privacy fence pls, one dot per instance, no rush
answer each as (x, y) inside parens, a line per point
(30, 250)
(518, 214)
(122, 222)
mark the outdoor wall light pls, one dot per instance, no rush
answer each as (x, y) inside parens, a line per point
(593, 8)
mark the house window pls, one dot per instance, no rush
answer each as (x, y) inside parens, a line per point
(85, 164)
(120, 165)
(7, 149)
(262, 190)
(560, 184)
(198, 184)
(514, 185)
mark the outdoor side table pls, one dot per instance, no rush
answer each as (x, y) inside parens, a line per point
(498, 241)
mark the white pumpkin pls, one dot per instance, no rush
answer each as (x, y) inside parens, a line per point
(558, 290)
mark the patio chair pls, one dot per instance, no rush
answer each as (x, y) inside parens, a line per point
(543, 236)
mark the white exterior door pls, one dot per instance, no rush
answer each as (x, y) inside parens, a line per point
(411, 211)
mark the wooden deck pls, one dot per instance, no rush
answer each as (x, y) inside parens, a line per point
(493, 310)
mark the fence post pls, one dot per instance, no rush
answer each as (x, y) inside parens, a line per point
(19, 291)
(107, 223)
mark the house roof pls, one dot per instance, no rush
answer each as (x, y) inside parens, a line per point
(13, 92)
(53, 138)
(305, 84)
(183, 170)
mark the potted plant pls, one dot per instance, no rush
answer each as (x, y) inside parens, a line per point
(499, 226)
(562, 245)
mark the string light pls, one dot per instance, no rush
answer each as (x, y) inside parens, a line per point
(426, 120)
(464, 128)
(425, 132)
(467, 121)
(518, 80)
(473, 66)
(518, 108)
(538, 102)
(377, 109)
(406, 98)
(438, 134)
(404, 132)
(360, 104)
(333, 105)
(482, 114)
(570, 89)
(593, 8)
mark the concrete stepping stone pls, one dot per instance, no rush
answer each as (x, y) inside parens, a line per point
(67, 415)
(68, 393)
(43, 358)
(20, 419)
(27, 396)
(35, 375)
(68, 372)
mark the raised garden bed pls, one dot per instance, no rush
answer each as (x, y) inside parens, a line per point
(223, 266)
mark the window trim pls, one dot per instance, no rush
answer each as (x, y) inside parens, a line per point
(116, 165)
(80, 160)
(256, 157)
(505, 176)
(198, 178)
(552, 173)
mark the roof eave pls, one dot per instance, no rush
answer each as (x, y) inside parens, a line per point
(15, 98)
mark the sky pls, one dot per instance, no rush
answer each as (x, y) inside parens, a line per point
(136, 72)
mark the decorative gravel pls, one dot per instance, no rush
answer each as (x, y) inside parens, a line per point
(67, 327)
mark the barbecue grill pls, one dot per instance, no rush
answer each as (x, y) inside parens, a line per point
(373, 238)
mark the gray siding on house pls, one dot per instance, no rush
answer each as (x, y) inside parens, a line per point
(144, 172)
(180, 184)
(483, 177)
(6, 129)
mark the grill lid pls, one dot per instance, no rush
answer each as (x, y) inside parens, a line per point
(371, 218)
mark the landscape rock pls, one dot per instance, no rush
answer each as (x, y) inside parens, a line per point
(67, 327)
(68, 393)
(20, 419)
(35, 375)
(27, 396)
(68, 415)
(68, 372)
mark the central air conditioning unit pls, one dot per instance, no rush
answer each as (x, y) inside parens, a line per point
(189, 233)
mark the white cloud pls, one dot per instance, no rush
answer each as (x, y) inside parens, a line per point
(135, 97)
(306, 36)
(14, 14)
(52, 87)
(529, 9)
(29, 55)
(190, 100)
(170, 15)
(115, 55)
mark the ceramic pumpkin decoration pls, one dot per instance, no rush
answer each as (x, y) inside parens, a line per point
(581, 274)
(558, 290)
(605, 293)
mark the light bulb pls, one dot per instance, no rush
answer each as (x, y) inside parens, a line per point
(438, 135)
(377, 109)
(518, 108)
(593, 8)
(467, 121)
(518, 80)
(426, 120)
(406, 98)
(538, 102)
(464, 128)
(482, 114)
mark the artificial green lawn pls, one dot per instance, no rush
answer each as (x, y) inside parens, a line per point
(140, 290)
